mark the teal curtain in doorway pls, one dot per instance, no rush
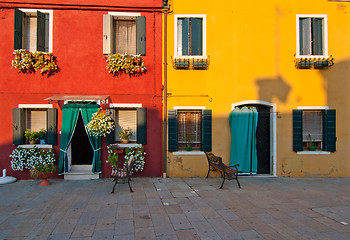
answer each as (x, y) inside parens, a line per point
(243, 123)
(69, 120)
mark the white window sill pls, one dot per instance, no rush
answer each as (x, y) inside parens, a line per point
(38, 145)
(313, 56)
(189, 153)
(313, 153)
(125, 145)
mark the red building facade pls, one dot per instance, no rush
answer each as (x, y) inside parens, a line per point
(80, 38)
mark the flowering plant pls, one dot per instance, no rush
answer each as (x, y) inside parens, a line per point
(100, 124)
(126, 133)
(33, 158)
(139, 156)
(124, 63)
(112, 155)
(28, 62)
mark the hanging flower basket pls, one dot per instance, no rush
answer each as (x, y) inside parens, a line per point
(100, 124)
(124, 63)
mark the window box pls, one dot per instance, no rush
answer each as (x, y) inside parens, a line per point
(304, 64)
(317, 63)
(200, 63)
(182, 63)
(321, 64)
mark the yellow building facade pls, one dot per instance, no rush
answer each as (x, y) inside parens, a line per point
(288, 59)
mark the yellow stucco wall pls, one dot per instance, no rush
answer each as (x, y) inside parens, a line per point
(252, 47)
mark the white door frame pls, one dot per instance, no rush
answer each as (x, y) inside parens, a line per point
(273, 130)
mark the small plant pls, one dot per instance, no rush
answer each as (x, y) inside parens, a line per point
(312, 144)
(100, 124)
(124, 63)
(139, 156)
(34, 135)
(126, 133)
(112, 155)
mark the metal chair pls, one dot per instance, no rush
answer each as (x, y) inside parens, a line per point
(123, 172)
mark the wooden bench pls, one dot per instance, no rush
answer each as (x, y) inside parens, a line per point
(227, 172)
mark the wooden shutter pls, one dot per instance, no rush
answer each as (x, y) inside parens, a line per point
(185, 36)
(40, 34)
(110, 138)
(317, 36)
(18, 126)
(142, 125)
(329, 130)
(52, 126)
(107, 34)
(297, 130)
(172, 131)
(206, 130)
(141, 35)
(304, 36)
(196, 36)
(18, 29)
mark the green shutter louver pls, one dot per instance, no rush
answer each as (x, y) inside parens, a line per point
(297, 130)
(110, 138)
(329, 130)
(142, 125)
(141, 35)
(185, 36)
(52, 126)
(206, 130)
(172, 131)
(196, 36)
(41, 32)
(18, 126)
(18, 29)
(317, 36)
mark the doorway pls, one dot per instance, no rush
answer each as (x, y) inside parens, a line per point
(81, 149)
(265, 135)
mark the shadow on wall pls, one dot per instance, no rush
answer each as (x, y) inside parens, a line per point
(273, 87)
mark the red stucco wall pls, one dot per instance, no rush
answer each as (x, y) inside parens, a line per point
(77, 44)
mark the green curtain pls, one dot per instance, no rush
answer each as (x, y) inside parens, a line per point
(87, 111)
(243, 123)
(69, 120)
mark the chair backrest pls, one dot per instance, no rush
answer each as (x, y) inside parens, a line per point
(131, 163)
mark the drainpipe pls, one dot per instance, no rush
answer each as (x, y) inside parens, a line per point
(165, 91)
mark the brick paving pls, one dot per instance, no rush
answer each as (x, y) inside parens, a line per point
(177, 208)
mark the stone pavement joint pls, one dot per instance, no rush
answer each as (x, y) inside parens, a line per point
(177, 208)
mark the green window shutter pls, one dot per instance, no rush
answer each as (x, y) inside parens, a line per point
(297, 130)
(329, 130)
(110, 138)
(52, 126)
(196, 36)
(317, 36)
(18, 126)
(107, 34)
(41, 32)
(142, 125)
(206, 130)
(18, 31)
(185, 36)
(304, 36)
(141, 35)
(172, 131)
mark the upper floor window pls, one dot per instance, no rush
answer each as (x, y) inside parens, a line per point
(190, 35)
(312, 35)
(124, 33)
(33, 30)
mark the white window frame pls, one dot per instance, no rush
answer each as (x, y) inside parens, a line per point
(204, 43)
(50, 12)
(316, 108)
(325, 35)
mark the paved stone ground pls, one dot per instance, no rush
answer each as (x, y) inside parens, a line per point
(177, 208)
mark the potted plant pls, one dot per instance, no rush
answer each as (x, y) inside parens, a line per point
(113, 150)
(188, 143)
(100, 124)
(125, 134)
(312, 145)
(31, 136)
(42, 136)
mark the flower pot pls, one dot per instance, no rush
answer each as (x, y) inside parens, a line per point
(42, 141)
(33, 142)
(312, 148)
(189, 148)
(44, 178)
(125, 140)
